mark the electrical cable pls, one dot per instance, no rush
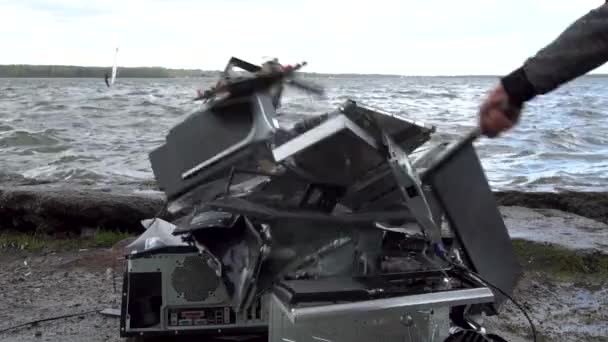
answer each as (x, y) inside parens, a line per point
(47, 320)
(489, 284)
(156, 216)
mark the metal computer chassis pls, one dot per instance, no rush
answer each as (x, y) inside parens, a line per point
(349, 310)
(174, 291)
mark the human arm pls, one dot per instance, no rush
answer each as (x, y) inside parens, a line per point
(582, 47)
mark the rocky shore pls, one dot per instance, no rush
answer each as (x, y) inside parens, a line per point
(592, 205)
(561, 240)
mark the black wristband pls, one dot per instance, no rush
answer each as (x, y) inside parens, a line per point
(518, 87)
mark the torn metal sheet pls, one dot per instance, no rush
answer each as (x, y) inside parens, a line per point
(158, 234)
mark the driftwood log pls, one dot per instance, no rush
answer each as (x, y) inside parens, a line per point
(55, 208)
(31, 206)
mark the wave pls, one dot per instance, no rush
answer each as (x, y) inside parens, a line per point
(5, 128)
(147, 103)
(407, 92)
(89, 107)
(65, 174)
(587, 113)
(72, 159)
(25, 138)
(138, 92)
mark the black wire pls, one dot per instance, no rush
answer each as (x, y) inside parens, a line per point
(229, 182)
(159, 213)
(519, 306)
(483, 280)
(46, 320)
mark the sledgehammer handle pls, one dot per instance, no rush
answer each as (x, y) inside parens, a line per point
(468, 138)
(451, 151)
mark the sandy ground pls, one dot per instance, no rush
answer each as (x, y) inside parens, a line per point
(46, 284)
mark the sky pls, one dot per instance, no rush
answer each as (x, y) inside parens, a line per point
(407, 37)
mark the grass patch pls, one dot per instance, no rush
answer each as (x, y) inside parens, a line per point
(38, 242)
(108, 238)
(560, 261)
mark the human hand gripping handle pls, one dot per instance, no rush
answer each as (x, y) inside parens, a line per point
(497, 114)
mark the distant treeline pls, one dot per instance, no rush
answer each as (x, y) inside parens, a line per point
(67, 71)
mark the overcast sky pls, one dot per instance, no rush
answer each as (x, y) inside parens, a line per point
(411, 37)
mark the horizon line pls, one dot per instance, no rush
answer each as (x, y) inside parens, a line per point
(302, 72)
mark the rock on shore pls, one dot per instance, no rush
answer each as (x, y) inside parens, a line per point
(27, 206)
(61, 208)
(593, 205)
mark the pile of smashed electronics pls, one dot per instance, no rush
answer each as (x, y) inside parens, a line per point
(348, 226)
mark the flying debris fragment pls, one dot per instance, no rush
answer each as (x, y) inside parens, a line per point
(326, 230)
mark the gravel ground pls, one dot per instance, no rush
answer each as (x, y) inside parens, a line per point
(48, 284)
(43, 285)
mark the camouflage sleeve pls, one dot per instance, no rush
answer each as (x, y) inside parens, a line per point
(582, 47)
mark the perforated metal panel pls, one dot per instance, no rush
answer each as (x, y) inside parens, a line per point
(193, 279)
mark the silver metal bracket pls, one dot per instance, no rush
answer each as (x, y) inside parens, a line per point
(411, 188)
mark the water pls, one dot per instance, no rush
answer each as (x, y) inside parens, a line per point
(78, 130)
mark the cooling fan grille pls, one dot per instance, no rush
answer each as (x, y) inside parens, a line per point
(194, 279)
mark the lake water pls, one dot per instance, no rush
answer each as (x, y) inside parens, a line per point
(80, 131)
